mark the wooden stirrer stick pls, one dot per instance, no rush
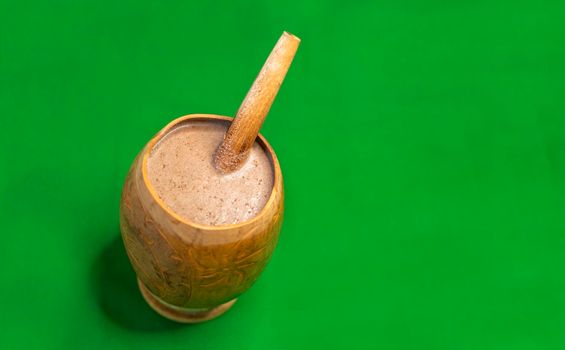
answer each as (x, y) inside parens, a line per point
(251, 114)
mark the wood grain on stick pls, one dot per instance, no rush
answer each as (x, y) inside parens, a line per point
(241, 135)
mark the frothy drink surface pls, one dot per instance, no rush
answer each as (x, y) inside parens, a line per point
(181, 169)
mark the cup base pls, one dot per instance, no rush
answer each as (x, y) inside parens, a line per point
(179, 314)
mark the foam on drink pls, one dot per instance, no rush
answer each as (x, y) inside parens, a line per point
(181, 170)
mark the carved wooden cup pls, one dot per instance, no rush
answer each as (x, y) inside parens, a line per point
(189, 272)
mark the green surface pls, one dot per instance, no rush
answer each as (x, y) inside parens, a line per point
(422, 144)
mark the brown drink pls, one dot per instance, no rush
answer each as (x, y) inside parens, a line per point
(203, 204)
(181, 170)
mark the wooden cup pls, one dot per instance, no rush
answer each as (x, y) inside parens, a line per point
(190, 272)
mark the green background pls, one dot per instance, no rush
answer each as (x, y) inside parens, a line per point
(422, 144)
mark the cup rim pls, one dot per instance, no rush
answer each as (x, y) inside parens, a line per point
(277, 175)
